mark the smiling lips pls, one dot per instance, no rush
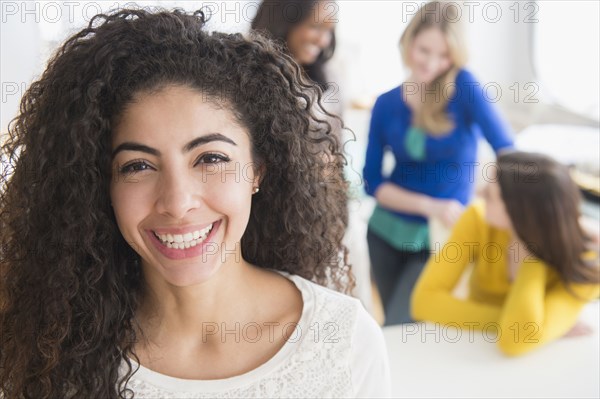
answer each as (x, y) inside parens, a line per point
(183, 241)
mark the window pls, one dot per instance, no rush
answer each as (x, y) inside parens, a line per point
(566, 53)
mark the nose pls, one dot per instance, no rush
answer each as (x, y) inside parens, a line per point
(178, 194)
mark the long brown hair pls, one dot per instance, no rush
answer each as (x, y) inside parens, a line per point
(69, 282)
(432, 115)
(543, 204)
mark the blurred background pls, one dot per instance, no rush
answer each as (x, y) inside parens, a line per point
(539, 60)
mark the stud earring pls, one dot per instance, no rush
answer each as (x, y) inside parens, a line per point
(255, 190)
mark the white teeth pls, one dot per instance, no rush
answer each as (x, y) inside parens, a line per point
(187, 240)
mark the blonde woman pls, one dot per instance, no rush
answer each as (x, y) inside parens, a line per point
(431, 124)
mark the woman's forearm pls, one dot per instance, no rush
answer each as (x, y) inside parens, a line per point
(396, 198)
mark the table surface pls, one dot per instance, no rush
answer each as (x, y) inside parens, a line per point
(428, 361)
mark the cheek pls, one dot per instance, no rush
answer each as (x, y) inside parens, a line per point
(491, 213)
(230, 194)
(496, 215)
(295, 40)
(506, 222)
(444, 65)
(325, 39)
(131, 202)
(307, 34)
(416, 57)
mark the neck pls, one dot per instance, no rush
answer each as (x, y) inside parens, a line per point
(222, 300)
(413, 88)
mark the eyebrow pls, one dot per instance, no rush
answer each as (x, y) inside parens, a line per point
(132, 146)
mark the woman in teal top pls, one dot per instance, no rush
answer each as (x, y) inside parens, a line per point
(431, 123)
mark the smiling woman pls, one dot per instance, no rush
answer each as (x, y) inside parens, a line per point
(192, 190)
(305, 28)
(173, 210)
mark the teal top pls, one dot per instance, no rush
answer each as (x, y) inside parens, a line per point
(404, 235)
(414, 143)
(400, 233)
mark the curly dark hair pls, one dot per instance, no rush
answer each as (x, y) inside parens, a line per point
(69, 282)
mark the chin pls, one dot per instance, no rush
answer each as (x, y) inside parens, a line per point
(188, 279)
(193, 273)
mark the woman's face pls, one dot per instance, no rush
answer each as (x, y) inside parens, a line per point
(495, 211)
(307, 40)
(182, 184)
(429, 55)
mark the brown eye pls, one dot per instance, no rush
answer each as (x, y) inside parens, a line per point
(212, 158)
(134, 167)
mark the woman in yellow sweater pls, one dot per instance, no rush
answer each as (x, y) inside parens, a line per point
(534, 266)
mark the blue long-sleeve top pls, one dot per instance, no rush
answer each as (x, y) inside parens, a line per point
(449, 166)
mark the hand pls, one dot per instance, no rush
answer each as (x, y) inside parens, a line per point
(447, 211)
(578, 330)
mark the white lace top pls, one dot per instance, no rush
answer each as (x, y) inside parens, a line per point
(337, 350)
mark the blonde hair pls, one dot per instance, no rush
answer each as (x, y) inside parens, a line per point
(432, 116)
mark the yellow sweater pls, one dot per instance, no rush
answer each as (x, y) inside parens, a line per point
(533, 309)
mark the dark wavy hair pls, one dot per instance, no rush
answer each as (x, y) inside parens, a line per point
(272, 18)
(69, 283)
(543, 203)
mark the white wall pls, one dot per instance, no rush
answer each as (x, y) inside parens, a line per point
(20, 58)
(369, 32)
(367, 60)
